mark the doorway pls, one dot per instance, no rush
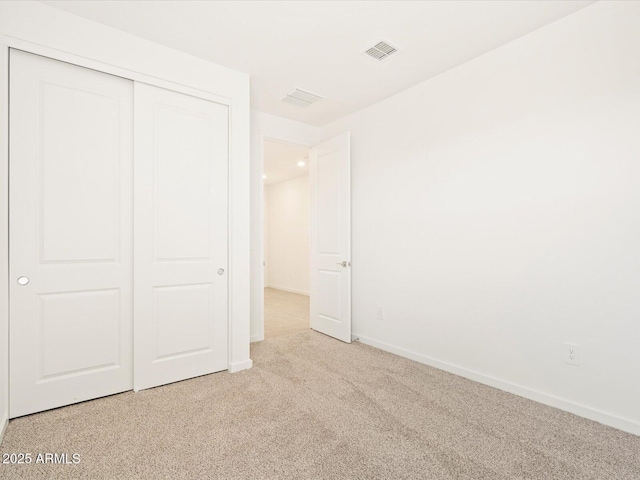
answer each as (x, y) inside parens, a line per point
(287, 229)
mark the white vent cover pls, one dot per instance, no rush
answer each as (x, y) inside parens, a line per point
(381, 50)
(300, 98)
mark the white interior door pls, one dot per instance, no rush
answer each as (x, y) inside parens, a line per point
(70, 233)
(180, 236)
(330, 178)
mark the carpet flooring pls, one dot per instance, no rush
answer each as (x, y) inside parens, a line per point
(315, 408)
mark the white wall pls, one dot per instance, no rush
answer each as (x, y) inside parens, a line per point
(276, 128)
(287, 241)
(265, 221)
(36, 27)
(496, 216)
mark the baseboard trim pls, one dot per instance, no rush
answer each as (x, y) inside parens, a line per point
(256, 338)
(3, 428)
(238, 367)
(290, 290)
(605, 418)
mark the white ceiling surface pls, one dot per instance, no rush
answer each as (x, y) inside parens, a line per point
(281, 161)
(317, 45)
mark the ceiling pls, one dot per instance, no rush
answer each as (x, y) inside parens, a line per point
(281, 161)
(317, 45)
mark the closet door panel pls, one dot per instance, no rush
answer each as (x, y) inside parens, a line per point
(181, 178)
(70, 233)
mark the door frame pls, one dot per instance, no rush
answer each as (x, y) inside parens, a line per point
(271, 138)
(238, 103)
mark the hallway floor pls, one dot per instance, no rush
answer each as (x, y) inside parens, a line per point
(284, 313)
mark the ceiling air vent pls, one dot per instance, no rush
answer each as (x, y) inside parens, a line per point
(300, 98)
(381, 50)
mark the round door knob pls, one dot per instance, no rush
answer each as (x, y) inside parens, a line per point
(220, 271)
(23, 280)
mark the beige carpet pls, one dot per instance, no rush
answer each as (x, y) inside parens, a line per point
(315, 408)
(284, 313)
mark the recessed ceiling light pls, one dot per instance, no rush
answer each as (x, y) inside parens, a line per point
(301, 163)
(264, 176)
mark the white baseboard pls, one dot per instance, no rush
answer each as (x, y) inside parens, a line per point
(3, 427)
(256, 338)
(237, 367)
(291, 290)
(605, 418)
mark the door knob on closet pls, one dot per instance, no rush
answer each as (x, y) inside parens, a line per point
(342, 264)
(220, 271)
(23, 280)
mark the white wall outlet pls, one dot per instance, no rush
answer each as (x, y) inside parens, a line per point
(572, 354)
(380, 313)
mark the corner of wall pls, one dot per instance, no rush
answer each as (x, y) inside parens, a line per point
(238, 367)
(4, 226)
(4, 423)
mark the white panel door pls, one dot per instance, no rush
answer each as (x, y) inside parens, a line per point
(70, 234)
(180, 236)
(330, 178)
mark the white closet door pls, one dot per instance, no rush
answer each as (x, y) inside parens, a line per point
(180, 236)
(70, 234)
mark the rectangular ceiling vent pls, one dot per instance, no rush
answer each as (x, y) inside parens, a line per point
(300, 98)
(381, 50)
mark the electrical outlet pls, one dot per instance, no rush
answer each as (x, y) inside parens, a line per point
(380, 313)
(572, 354)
